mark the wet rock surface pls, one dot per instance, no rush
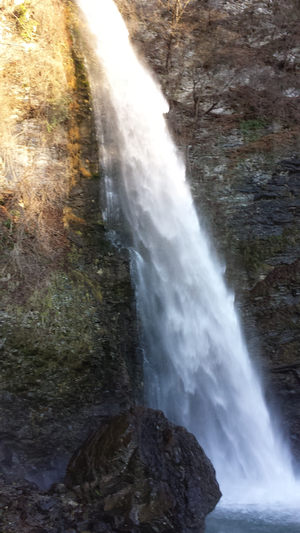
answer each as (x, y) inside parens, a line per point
(240, 141)
(263, 238)
(145, 474)
(137, 473)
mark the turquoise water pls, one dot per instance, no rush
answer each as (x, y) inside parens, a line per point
(253, 520)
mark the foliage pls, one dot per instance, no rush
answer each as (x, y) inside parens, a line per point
(252, 129)
(252, 125)
(27, 25)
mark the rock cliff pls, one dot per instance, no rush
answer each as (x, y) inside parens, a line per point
(230, 72)
(69, 343)
(69, 349)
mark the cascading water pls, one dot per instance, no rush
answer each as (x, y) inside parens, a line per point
(197, 368)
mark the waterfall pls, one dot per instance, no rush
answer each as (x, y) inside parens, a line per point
(197, 368)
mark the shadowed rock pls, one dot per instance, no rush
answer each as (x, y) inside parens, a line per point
(146, 474)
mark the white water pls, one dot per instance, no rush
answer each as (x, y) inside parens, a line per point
(197, 367)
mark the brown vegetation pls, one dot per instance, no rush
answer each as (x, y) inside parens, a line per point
(36, 92)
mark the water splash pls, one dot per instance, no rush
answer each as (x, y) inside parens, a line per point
(197, 368)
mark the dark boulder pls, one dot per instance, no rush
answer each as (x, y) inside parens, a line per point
(146, 474)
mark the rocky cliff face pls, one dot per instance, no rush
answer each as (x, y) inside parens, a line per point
(230, 72)
(68, 348)
(68, 330)
(69, 344)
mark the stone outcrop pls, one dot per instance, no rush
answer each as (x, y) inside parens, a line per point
(145, 474)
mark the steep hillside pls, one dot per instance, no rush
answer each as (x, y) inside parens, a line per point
(68, 334)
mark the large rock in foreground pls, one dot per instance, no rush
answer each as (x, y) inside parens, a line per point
(146, 474)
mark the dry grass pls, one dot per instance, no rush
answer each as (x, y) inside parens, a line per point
(36, 88)
(34, 64)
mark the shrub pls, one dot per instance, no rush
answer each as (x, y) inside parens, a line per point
(36, 88)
